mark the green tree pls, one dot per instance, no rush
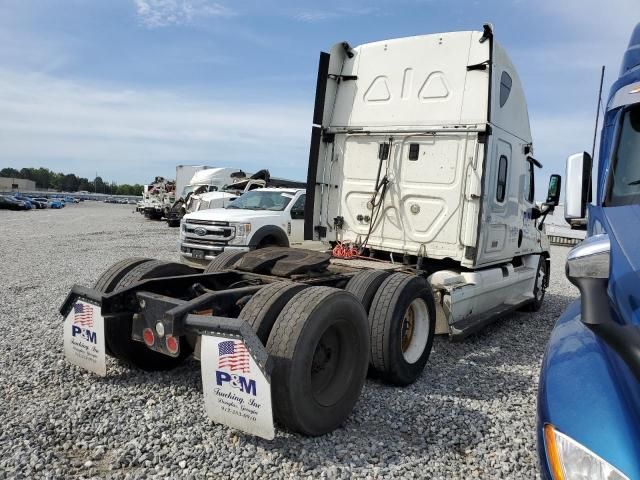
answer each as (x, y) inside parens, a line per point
(69, 182)
(99, 185)
(10, 172)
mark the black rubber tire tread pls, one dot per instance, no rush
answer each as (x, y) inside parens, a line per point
(110, 278)
(364, 285)
(264, 307)
(385, 319)
(118, 329)
(536, 304)
(224, 261)
(292, 344)
(154, 269)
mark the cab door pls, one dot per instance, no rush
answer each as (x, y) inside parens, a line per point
(498, 234)
(295, 227)
(528, 238)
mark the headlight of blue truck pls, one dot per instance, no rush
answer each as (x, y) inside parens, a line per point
(569, 460)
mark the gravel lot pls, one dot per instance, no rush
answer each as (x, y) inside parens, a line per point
(471, 414)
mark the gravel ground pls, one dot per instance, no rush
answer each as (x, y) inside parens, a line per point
(471, 414)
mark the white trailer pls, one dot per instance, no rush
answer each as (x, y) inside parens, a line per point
(421, 173)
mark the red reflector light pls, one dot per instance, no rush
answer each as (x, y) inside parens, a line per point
(172, 344)
(148, 337)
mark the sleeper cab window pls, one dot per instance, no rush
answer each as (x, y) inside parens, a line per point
(505, 88)
(501, 188)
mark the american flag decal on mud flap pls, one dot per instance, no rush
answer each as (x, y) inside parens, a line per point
(83, 315)
(233, 356)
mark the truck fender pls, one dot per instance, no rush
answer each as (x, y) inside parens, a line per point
(279, 236)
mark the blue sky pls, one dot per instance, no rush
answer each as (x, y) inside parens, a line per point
(130, 88)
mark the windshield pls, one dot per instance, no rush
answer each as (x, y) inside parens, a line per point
(261, 200)
(625, 177)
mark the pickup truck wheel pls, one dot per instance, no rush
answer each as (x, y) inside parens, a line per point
(224, 261)
(539, 287)
(402, 319)
(118, 329)
(110, 278)
(364, 285)
(264, 307)
(320, 347)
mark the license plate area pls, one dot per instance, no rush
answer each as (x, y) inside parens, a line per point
(198, 254)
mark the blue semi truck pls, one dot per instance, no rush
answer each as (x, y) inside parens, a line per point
(589, 394)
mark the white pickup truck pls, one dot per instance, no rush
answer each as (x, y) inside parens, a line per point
(256, 219)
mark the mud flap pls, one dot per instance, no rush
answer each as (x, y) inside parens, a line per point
(236, 383)
(84, 337)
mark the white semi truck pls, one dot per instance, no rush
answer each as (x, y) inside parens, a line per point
(421, 181)
(184, 174)
(202, 180)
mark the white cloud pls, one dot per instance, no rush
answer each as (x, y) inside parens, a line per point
(162, 13)
(130, 135)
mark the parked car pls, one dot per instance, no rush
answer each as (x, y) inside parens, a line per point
(56, 203)
(11, 203)
(24, 200)
(39, 203)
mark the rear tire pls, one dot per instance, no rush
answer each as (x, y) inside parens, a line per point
(118, 329)
(364, 285)
(320, 347)
(224, 261)
(264, 307)
(402, 319)
(110, 278)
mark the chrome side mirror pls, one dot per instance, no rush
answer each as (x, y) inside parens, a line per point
(588, 269)
(590, 259)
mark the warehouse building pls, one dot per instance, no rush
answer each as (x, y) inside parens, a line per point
(8, 184)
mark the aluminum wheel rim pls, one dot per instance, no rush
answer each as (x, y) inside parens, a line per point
(415, 331)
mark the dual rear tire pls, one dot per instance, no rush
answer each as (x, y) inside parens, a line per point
(401, 312)
(323, 340)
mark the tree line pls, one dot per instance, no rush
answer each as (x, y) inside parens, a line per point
(68, 182)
